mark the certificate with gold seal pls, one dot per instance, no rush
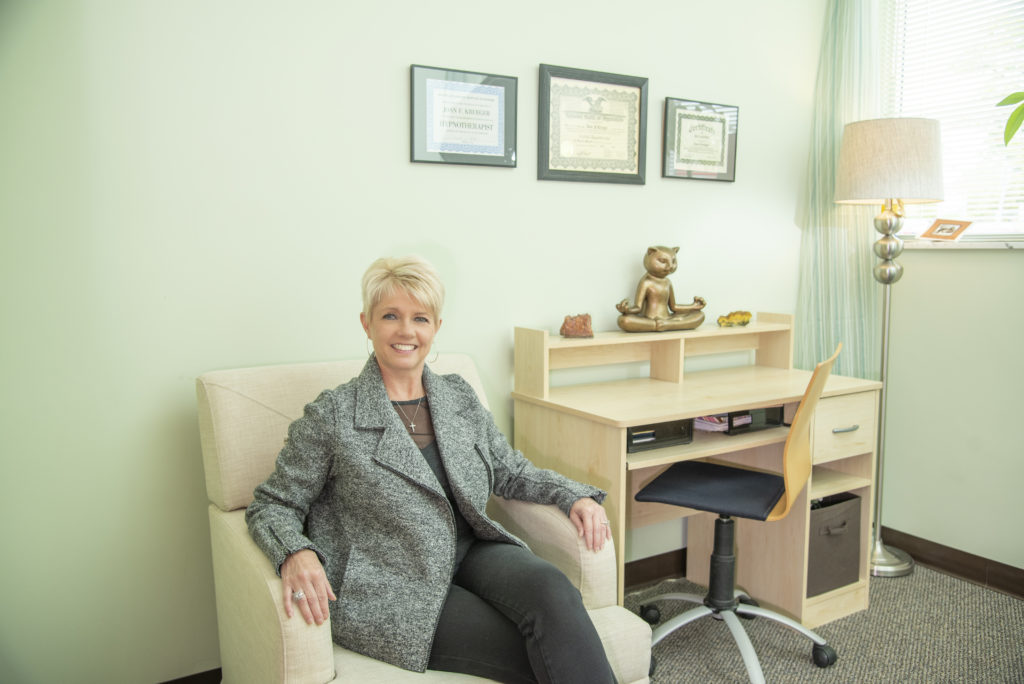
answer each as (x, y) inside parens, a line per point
(592, 126)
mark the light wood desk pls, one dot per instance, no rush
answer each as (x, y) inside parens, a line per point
(581, 429)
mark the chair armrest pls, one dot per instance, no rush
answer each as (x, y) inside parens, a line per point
(552, 536)
(258, 642)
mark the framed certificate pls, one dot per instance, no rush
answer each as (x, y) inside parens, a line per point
(700, 140)
(592, 126)
(462, 117)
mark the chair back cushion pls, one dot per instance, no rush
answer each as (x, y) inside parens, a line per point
(244, 416)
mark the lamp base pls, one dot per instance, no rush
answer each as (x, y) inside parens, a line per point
(887, 561)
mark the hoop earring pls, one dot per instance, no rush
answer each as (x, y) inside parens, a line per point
(433, 360)
(369, 348)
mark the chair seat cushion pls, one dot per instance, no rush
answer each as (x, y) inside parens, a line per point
(717, 489)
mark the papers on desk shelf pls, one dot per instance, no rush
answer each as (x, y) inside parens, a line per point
(712, 423)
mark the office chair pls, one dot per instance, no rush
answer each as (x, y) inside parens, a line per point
(733, 491)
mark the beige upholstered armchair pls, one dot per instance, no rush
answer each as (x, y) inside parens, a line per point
(243, 419)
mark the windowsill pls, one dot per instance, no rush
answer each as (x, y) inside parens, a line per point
(971, 242)
(979, 235)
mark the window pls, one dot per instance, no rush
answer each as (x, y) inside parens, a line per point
(954, 61)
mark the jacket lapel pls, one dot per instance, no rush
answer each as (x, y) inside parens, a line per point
(395, 451)
(454, 429)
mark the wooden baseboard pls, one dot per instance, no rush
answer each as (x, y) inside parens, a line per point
(987, 573)
(655, 568)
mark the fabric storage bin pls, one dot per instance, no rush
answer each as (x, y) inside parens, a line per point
(833, 553)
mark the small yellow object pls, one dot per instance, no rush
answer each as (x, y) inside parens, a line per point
(734, 318)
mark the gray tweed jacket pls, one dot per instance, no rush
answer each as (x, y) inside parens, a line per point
(351, 484)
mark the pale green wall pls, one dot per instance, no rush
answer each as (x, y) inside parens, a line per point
(199, 184)
(954, 460)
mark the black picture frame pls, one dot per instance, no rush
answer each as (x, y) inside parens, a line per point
(462, 117)
(603, 140)
(699, 140)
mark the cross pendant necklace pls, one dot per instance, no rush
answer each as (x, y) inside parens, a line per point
(412, 425)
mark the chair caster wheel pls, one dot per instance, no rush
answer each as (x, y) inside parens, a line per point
(650, 614)
(748, 601)
(823, 655)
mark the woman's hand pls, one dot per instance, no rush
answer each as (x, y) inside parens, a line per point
(302, 574)
(591, 522)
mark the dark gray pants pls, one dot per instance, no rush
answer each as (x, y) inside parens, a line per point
(515, 618)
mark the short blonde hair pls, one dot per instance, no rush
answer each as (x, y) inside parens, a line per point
(410, 274)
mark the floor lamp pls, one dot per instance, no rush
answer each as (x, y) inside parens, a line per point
(890, 162)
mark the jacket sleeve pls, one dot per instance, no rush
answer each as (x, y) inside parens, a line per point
(277, 515)
(515, 477)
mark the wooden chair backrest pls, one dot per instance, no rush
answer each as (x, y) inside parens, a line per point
(796, 459)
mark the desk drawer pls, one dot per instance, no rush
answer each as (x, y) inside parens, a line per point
(844, 426)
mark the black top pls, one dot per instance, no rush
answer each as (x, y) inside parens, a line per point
(417, 413)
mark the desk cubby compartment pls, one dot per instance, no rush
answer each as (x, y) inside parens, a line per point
(754, 419)
(659, 435)
(833, 553)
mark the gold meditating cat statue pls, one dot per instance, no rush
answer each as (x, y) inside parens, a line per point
(655, 307)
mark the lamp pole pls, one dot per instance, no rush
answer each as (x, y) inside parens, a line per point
(886, 561)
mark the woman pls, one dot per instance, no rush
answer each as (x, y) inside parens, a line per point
(376, 514)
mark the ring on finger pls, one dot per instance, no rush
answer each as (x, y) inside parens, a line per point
(299, 595)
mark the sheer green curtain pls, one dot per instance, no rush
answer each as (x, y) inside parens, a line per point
(838, 299)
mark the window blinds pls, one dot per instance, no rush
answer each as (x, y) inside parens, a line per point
(954, 61)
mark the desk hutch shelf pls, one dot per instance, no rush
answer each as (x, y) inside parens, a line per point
(581, 430)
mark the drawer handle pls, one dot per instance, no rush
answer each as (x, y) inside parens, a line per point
(852, 428)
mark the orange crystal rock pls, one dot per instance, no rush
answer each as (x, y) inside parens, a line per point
(577, 326)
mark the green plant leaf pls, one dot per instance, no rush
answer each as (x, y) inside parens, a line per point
(1011, 99)
(1013, 123)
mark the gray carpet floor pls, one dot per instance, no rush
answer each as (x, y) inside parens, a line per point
(926, 627)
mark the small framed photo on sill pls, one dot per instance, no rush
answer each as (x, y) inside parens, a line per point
(462, 117)
(699, 140)
(944, 229)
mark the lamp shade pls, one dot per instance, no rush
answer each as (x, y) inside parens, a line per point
(883, 159)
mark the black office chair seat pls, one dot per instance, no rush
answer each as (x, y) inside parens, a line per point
(717, 489)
